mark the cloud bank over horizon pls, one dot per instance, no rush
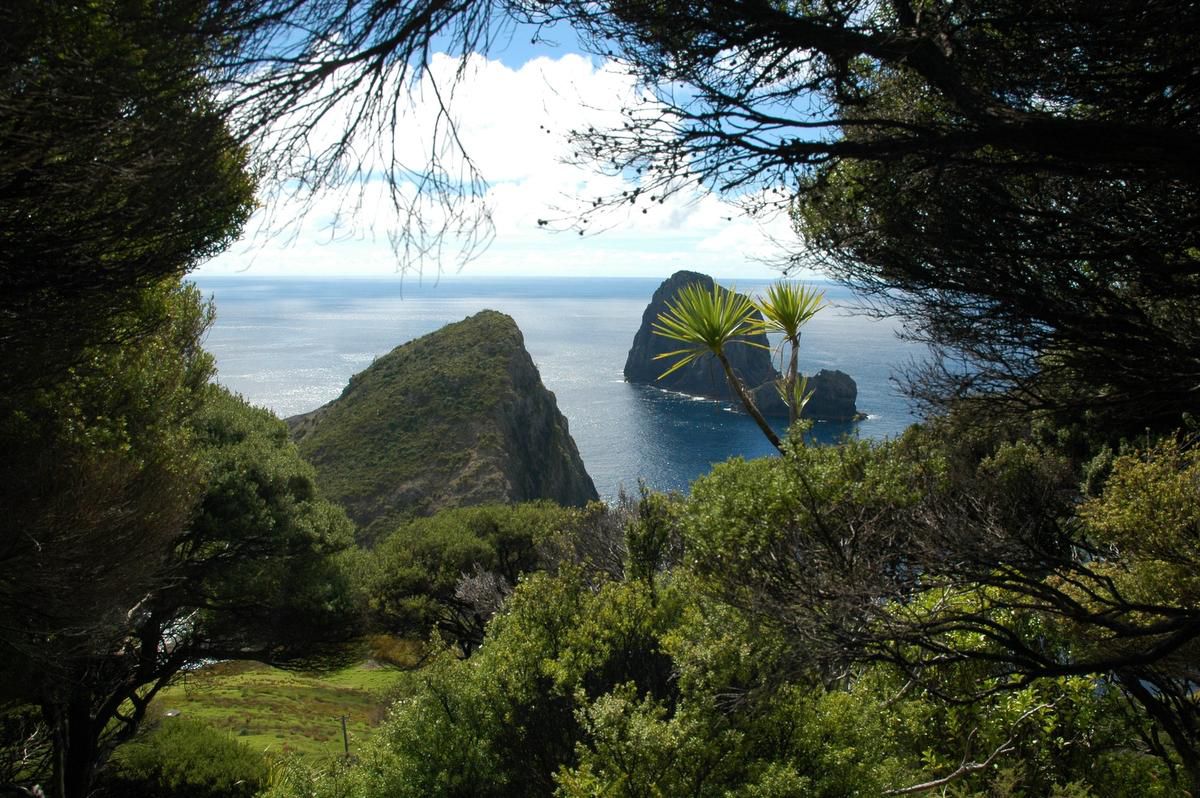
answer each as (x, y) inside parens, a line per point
(513, 123)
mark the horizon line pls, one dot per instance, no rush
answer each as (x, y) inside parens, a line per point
(448, 276)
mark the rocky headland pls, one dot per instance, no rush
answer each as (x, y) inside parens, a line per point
(458, 417)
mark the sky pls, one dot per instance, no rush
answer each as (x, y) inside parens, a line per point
(512, 110)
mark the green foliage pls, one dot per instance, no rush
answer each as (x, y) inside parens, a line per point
(1149, 510)
(785, 310)
(787, 307)
(636, 746)
(452, 570)
(119, 174)
(742, 512)
(837, 621)
(442, 738)
(1005, 272)
(706, 321)
(182, 758)
(259, 555)
(503, 722)
(953, 560)
(1144, 525)
(228, 553)
(329, 779)
(99, 476)
(588, 691)
(650, 536)
(427, 427)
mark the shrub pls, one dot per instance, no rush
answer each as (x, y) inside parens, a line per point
(181, 758)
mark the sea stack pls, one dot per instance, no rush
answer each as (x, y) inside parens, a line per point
(834, 396)
(703, 377)
(458, 417)
(834, 392)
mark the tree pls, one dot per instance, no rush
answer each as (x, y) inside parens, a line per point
(118, 175)
(785, 310)
(594, 686)
(777, 88)
(1042, 291)
(450, 572)
(1019, 184)
(293, 71)
(710, 321)
(117, 171)
(249, 572)
(97, 479)
(256, 570)
(970, 565)
(187, 758)
(503, 721)
(707, 322)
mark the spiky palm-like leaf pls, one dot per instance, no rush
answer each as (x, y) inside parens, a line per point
(789, 306)
(786, 308)
(799, 396)
(706, 321)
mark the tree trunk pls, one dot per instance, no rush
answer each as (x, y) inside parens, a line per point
(58, 729)
(80, 754)
(74, 740)
(790, 384)
(748, 402)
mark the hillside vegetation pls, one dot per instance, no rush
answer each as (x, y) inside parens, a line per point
(458, 417)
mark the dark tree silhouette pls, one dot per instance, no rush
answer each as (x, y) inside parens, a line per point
(116, 170)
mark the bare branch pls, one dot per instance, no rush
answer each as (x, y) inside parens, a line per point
(967, 768)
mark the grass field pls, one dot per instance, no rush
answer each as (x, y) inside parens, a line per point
(283, 712)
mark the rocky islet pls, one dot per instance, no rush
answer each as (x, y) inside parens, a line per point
(834, 392)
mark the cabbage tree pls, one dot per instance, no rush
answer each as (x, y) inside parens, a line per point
(706, 322)
(786, 308)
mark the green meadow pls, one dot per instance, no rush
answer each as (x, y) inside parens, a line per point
(283, 712)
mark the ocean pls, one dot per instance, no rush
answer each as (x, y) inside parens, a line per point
(291, 344)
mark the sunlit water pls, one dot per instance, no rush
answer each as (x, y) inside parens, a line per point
(291, 345)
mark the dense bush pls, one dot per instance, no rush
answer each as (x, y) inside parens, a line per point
(822, 624)
(451, 571)
(183, 758)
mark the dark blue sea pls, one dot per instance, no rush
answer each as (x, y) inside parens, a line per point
(291, 345)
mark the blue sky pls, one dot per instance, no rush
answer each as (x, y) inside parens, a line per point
(511, 110)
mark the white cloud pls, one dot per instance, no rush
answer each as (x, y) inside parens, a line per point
(513, 123)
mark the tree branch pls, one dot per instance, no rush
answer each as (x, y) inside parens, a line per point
(967, 768)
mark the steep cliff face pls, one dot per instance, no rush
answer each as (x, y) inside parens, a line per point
(458, 417)
(834, 392)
